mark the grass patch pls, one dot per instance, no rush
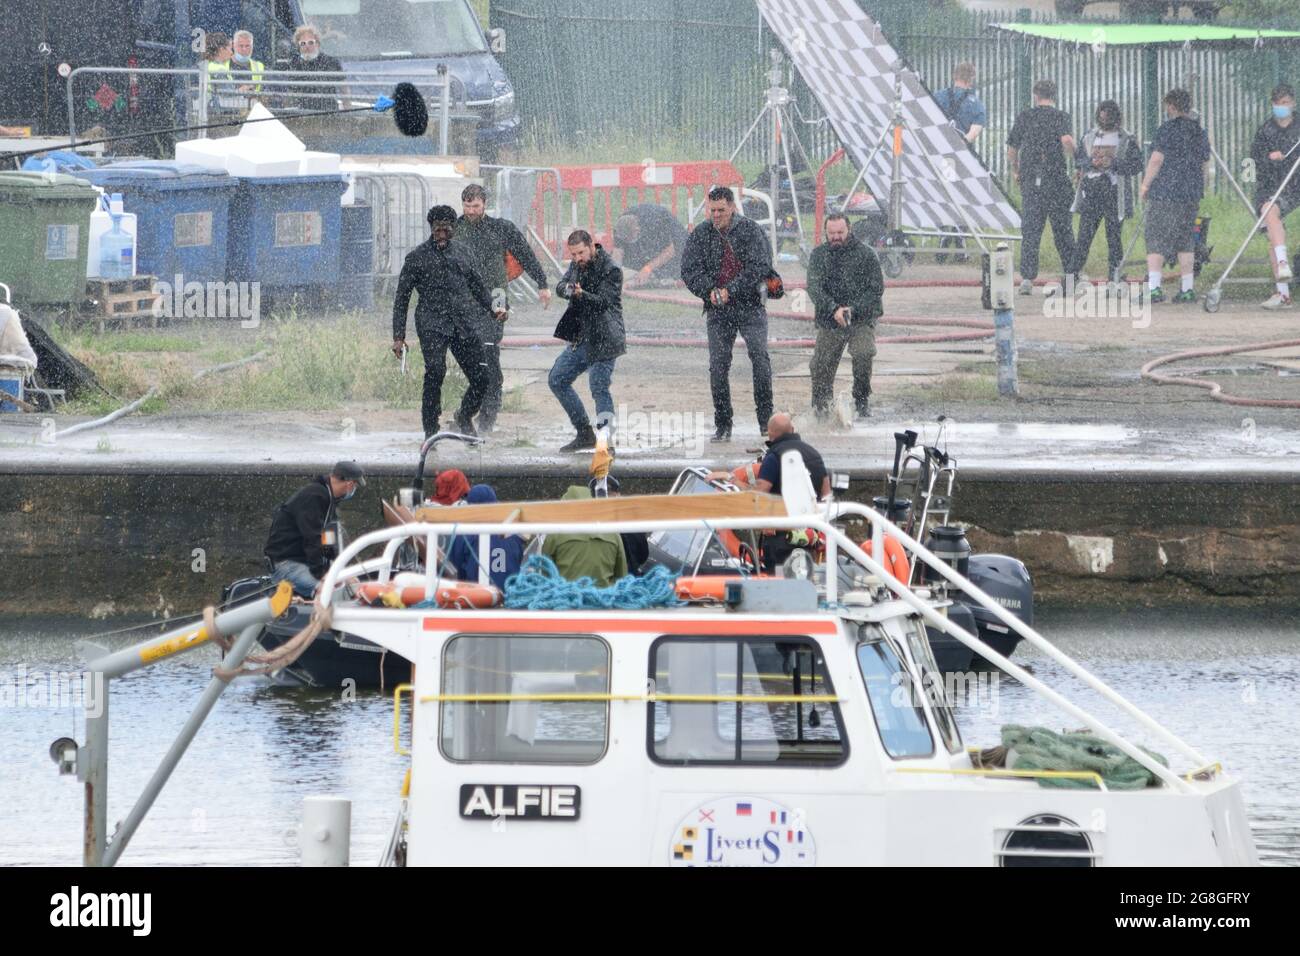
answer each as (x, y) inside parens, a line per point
(963, 388)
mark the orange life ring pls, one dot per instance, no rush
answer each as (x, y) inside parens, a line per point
(448, 594)
(895, 558)
(746, 476)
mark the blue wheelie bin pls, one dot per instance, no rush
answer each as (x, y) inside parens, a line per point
(183, 213)
(285, 231)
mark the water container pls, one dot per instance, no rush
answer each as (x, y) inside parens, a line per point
(116, 252)
(101, 221)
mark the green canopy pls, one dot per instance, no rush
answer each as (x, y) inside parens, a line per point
(1148, 34)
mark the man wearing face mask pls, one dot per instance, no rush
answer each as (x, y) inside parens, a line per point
(1274, 153)
(452, 306)
(846, 286)
(294, 546)
(241, 60)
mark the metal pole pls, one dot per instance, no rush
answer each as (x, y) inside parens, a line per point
(896, 167)
(789, 171)
(773, 174)
(121, 837)
(444, 121)
(184, 639)
(92, 766)
(203, 102)
(1004, 334)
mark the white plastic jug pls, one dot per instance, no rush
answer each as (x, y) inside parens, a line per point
(101, 223)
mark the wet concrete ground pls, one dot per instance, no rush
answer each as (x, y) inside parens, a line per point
(1083, 408)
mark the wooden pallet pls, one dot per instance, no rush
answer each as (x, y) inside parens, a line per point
(122, 300)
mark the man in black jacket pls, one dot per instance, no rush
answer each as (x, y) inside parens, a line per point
(452, 304)
(726, 262)
(593, 325)
(490, 240)
(846, 286)
(294, 546)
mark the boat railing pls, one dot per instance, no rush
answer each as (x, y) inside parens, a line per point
(821, 519)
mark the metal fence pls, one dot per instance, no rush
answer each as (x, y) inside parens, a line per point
(684, 77)
(663, 73)
(1229, 87)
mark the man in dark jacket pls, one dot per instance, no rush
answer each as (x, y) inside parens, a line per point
(294, 546)
(490, 240)
(846, 287)
(725, 264)
(648, 243)
(452, 303)
(593, 327)
(309, 58)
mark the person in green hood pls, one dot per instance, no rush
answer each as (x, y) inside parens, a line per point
(596, 556)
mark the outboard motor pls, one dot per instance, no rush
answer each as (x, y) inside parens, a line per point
(950, 654)
(1007, 581)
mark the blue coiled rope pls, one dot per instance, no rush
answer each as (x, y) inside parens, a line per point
(539, 586)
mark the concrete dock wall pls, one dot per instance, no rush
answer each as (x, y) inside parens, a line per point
(130, 542)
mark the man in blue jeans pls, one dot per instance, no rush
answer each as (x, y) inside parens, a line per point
(593, 327)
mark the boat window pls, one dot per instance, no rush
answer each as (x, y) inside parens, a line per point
(768, 727)
(895, 703)
(932, 684)
(525, 730)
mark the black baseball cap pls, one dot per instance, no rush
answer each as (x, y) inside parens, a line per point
(349, 471)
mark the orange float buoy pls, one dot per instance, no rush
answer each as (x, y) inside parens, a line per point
(895, 558)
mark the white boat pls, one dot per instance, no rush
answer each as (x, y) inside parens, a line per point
(798, 721)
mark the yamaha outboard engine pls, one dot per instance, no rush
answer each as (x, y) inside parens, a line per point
(1007, 581)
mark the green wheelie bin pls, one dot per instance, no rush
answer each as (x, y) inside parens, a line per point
(44, 231)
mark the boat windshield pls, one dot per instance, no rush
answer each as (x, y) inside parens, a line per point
(895, 703)
(394, 29)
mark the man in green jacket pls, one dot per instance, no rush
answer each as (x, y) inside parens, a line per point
(596, 556)
(847, 288)
(489, 240)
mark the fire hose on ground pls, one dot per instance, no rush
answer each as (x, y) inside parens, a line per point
(1215, 389)
(982, 329)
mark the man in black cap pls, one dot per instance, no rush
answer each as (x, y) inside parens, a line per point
(453, 302)
(726, 262)
(294, 546)
(648, 243)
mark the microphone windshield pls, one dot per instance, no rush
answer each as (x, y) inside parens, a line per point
(409, 111)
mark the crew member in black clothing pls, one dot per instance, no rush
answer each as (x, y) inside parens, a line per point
(1274, 152)
(726, 263)
(781, 438)
(776, 547)
(636, 544)
(648, 244)
(294, 546)
(1038, 144)
(452, 301)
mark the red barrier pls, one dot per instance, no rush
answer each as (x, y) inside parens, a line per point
(596, 186)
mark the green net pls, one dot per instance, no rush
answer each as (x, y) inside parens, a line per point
(1037, 748)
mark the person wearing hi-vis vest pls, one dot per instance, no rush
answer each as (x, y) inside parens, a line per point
(241, 60)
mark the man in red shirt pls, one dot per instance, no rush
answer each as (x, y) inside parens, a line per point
(726, 262)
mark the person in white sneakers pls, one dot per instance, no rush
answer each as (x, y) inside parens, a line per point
(1172, 188)
(1274, 153)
